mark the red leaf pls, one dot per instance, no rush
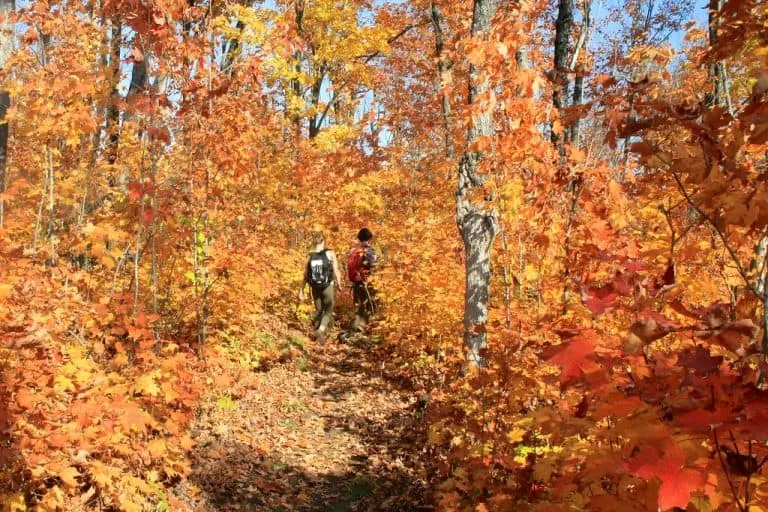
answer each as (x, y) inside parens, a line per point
(703, 420)
(700, 361)
(135, 191)
(161, 134)
(147, 217)
(574, 356)
(677, 482)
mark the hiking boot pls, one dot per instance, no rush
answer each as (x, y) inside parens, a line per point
(320, 336)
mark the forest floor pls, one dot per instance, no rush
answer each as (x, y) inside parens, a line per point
(327, 431)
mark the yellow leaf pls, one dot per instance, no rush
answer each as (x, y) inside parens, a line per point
(5, 290)
(13, 502)
(146, 385)
(157, 448)
(101, 474)
(107, 261)
(69, 477)
(53, 499)
(516, 435)
(128, 504)
(62, 383)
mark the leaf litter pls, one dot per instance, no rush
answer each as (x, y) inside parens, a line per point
(327, 433)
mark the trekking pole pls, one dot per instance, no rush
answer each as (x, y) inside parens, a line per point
(370, 299)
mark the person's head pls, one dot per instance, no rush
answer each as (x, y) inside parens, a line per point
(317, 238)
(365, 235)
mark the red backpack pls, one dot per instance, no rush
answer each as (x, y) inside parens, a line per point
(356, 272)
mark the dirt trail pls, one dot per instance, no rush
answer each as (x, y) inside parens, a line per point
(326, 432)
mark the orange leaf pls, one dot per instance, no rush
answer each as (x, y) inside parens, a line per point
(25, 399)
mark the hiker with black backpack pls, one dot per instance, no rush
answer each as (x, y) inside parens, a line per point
(360, 262)
(321, 273)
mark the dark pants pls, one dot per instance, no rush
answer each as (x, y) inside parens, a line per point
(364, 296)
(323, 298)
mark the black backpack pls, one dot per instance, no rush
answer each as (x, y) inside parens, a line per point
(319, 270)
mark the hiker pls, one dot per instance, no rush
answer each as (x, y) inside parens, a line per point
(321, 273)
(360, 262)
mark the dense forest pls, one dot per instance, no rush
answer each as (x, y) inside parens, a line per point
(570, 208)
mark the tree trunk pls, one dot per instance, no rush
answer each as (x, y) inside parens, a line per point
(113, 111)
(578, 67)
(138, 77)
(716, 72)
(316, 121)
(6, 47)
(477, 226)
(563, 26)
(231, 51)
(443, 66)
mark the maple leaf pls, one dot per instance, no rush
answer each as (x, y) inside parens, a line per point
(598, 299)
(516, 435)
(703, 420)
(69, 476)
(135, 191)
(146, 385)
(25, 399)
(700, 361)
(573, 356)
(5, 290)
(677, 482)
(651, 327)
(157, 449)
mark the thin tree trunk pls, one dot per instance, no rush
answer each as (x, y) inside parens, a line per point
(51, 205)
(101, 63)
(139, 248)
(316, 121)
(138, 84)
(295, 85)
(716, 73)
(505, 275)
(575, 187)
(443, 67)
(578, 67)
(477, 226)
(726, 88)
(5, 101)
(113, 110)
(563, 27)
(41, 203)
(631, 114)
(161, 83)
(6, 47)
(231, 50)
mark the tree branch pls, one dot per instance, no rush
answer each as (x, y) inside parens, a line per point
(717, 229)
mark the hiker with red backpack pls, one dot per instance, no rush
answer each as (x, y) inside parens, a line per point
(321, 273)
(360, 262)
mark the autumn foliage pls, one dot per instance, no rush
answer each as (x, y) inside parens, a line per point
(167, 162)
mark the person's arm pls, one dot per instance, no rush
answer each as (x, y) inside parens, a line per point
(370, 257)
(336, 273)
(304, 281)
